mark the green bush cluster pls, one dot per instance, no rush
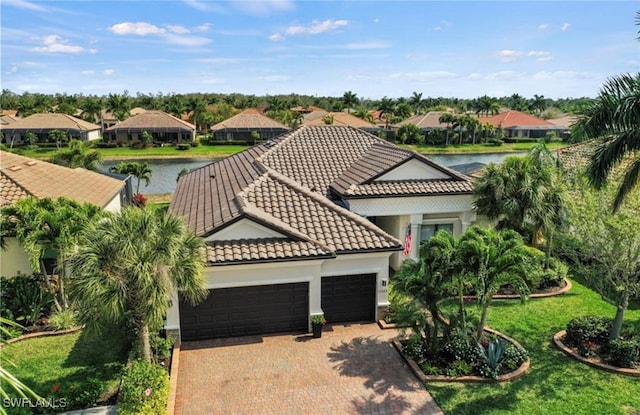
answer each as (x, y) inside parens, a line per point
(24, 299)
(145, 390)
(583, 330)
(624, 353)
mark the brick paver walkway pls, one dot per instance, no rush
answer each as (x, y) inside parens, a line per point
(352, 369)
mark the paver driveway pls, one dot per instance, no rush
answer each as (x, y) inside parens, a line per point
(352, 369)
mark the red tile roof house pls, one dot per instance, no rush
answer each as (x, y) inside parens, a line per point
(42, 124)
(521, 125)
(21, 177)
(241, 127)
(309, 223)
(165, 128)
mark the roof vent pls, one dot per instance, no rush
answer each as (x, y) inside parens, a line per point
(31, 163)
(269, 144)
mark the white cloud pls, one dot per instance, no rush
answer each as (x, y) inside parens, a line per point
(543, 26)
(262, 7)
(23, 4)
(203, 27)
(181, 30)
(274, 78)
(174, 34)
(507, 55)
(474, 75)
(316, 27)
(108, 72)
(203, 6)
(55, 44)
(565, 26)
(540, 55)
(424, 76)
(137, 28)
(87, 72)
(503, 75)
(276, 37)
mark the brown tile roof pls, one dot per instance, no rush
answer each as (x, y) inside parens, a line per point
(22, 177)
(339, 118)
(8, 119)
(566, 121)
(309, 109)
(428, 120)
(577, 155)
(152, 121)
(262, 250)
(513, 119)
(10, 113)
(51, 122)
(248, 119)
(283, 185)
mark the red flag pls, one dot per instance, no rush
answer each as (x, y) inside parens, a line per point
(407, 242)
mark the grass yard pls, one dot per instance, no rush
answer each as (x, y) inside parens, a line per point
(78, 366)
(555, 384)
(479, 148)
(154, 152)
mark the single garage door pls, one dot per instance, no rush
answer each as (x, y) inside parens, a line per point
(247, 310)
(349, 298)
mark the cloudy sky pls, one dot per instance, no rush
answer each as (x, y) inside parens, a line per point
(373, 48)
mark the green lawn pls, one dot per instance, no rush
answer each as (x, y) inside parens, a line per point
(130, 153)
(556, 384)
(479, 148)
(71, 362)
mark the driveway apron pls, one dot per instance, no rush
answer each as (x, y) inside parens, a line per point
(352, 369)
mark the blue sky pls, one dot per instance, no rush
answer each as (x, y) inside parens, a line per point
(373, 48)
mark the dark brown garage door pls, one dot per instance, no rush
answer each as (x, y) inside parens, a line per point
(247, 310)
(349, 298)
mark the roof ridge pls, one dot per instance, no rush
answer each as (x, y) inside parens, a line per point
(327, 203)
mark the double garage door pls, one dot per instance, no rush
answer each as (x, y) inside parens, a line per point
(263, 309)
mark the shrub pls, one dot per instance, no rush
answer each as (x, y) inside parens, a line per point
(459, 368)
(145, 389)
(624, 353)
(430, 369)
(492, 356)
(584, 330)
(415, 348)
(24, 299)
(63, 320)
(79, 396)
(161, 347)
(460, 346)
(553, 276)
(513, 357)
(183, 146)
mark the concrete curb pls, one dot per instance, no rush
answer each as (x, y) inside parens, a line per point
(173, 379)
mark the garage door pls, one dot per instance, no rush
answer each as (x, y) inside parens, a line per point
(247, 310)
(349, 298)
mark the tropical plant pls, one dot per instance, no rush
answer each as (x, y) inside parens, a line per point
(146, 139)
(449, 119)
(318, 319)
(349, 100)
(130, 266)
(31, 139)
(58, 137)
(494, 258)
(416, 102)
(48, 228)
(386, 108)
(119, 106)
(92, 107)
(141, 171)
(145, 390)
(78, 154)
(487, 105)
(614, 119)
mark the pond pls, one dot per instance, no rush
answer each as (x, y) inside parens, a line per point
(165, 171)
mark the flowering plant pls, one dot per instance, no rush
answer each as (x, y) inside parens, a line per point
(318, 319)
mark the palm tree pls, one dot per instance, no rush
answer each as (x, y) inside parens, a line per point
(48, 225)
(197, 107)
(538, 104)
(141, 171)
(92, 109)
(119, 106)
(614, 119)
(349, 100)
(449, 119)
(494, 258)
(416, 102)
(78, 154)
(487, 105)
(131, 265)
(386, 108)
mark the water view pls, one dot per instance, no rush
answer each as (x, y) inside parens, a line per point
(165, 171)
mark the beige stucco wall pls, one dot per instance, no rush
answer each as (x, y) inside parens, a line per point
(395, 226)
(114, 205)
(14, 259)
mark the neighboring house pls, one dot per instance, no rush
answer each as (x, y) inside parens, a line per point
(42, 124)
(426, 122)
(565, 121)
(322, 117)
(163, 127)
(21, 177)
(241, 127)
(308, 223)
(517, 124)
(109, 120)
(8, 119)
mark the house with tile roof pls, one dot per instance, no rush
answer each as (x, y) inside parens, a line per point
(163, 127)
(21, 177)
(323, 117)
(242, 126)
(426, 122)
(42, 124)
(309, 223)
(518, 124)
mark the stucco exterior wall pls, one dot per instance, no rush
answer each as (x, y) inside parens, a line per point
(14, 259)
(114, 205)
(395, 226)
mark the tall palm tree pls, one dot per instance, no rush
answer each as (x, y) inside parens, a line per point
(197, 107)
(487, 105)
(614, 119)
(131, 265)
(416, 102)
(494, 258)
(349, 100)
(141, 171)
(119, 106)
(92, 109)
(386, 108)
(538, 104)
(449, 119)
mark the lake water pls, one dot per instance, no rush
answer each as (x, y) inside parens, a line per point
(165, 171)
